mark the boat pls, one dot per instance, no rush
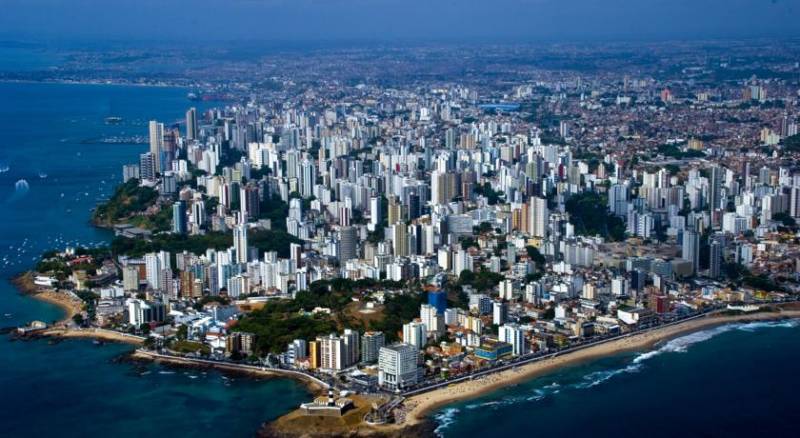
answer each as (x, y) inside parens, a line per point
(113, 120)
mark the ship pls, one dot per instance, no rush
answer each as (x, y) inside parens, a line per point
(113, 120)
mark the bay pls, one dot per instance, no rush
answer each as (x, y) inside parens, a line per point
(74, 388)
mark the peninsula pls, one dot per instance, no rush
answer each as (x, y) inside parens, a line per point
(398, 246)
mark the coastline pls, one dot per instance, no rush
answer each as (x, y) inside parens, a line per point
(311, 386)
(68, 304)
(422, 405)
(92, 333)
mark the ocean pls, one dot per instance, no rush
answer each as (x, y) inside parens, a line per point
(729, 381)
(737, 380)
(50, 178)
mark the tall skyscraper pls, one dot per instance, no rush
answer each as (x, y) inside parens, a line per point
(191, 123)
(147, 166)
(715, 258)
(691, 249)
(308, 177)
(438, 299)
(514, 335)
(397, 366)
(499, 312)
(371, 343)
(157, 145)
(400, 239)
(347, 244)
(374, 213)
(179, 217)
(714, 183)
(539, 215)
(794, 203)
(416, 334)
(618, 199)
(153, 270)
(240, 243)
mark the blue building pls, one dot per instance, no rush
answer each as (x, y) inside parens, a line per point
(493, 350)
(438, 300)
(179, 217)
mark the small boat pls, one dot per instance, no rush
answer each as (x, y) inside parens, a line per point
(113, 120)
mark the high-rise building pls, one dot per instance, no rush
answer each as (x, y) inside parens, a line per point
(191, 124)
(129, 172)
(339, 352)
(715, 258)
(433, 322)
(397, 366)
(130, 278)
(691, 249)
(514, 335)
(438, 299)
(157, 145)
(240, 243)
(348, 249)
(374, 213)
(147, 166)
(179, 217)
(241, 343)
(618, 200)
(314, 358)
(439, 188)
(400, 239)
(371, 343)
(330, 352)
(153, 270)
(249, 201)
(416, 334)
(539, 215)
(394, 210)
(714, 184)
(351, 347)
(308, 177)
(794, 203)
(499, 312)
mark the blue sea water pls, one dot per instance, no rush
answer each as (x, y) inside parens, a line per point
(738, 380)
(74, 388)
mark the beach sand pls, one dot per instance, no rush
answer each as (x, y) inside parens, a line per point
(69, 304)
(418, 407)
(92, 333)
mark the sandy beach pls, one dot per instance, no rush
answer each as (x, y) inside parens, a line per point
(93, 333)
(71, 305)
(419, 406)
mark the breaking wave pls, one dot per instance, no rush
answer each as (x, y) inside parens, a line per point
(21, 188)
(447, 417)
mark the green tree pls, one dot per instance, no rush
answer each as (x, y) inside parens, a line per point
(182, 333)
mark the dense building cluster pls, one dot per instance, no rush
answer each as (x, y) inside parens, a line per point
(524, 218)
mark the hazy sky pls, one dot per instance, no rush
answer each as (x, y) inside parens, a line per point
(332, 20)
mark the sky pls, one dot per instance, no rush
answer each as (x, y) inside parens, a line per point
(386, 20)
